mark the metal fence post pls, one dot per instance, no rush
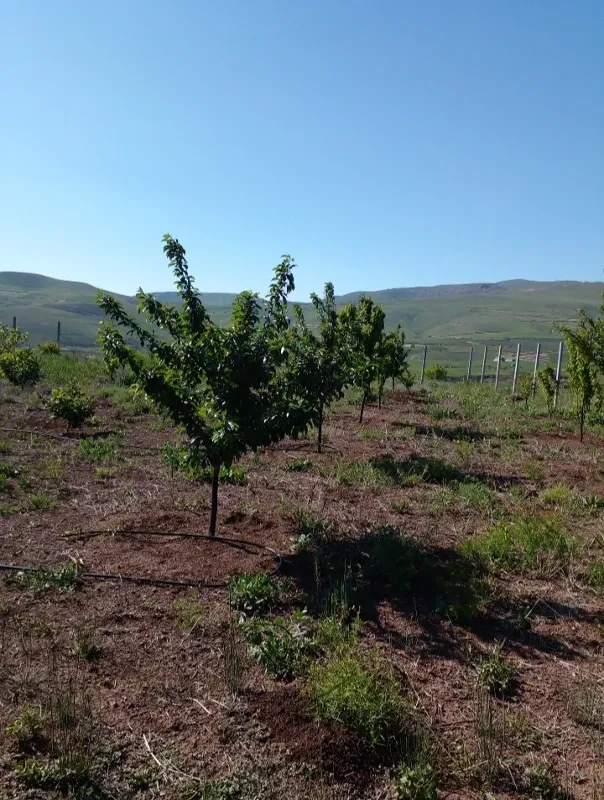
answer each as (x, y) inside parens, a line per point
(14, 323)
(516, 368)
(59, 332)
(558, 375)
(537, 354)
(470, 363)
(484, 364)
(498, 367)
(421, 380)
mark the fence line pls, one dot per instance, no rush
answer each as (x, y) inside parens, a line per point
(466, 374)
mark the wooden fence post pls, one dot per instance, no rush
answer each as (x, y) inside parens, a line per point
(516, 368)
(484, 364)
(421, 380)
(498, 367)
(470, 363)
(14, 323)
(537, 354)
(558, 375)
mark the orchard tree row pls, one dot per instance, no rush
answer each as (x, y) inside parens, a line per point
(265, 376)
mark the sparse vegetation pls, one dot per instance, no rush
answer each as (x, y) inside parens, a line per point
(251, 593)
(70, 404)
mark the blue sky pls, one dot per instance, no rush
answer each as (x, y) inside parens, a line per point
(387, 143)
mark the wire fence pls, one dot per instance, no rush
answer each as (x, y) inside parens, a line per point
(497, 363)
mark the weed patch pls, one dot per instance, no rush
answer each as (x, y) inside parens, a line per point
(529, 544)
(64, 577)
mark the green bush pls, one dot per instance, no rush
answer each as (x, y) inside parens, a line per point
(49, 348)
(496, 674)
(299, 465)
(70, 404)
(415, 782)
(595, 574)
(283, 646)
(530, 544)
(251, 592)
(98, 449)
(436, 372)
(64, 577)
(20, 367)
(360, 694)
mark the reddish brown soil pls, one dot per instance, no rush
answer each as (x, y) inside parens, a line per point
(157, 680)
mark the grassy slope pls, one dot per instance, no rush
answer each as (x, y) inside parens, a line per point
(523, 310)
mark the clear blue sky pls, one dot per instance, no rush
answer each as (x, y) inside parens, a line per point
(387, 143)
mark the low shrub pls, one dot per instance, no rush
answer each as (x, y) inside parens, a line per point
(64, 577)
(358, 692)
(436, 372)
(496, 674)
(70, 404)
(299, 465)
(251, 592)
(415, 782)
(49, 348)
(21, 367)
(283, 646)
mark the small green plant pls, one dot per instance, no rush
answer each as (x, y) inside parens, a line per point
(189, 611)
(561, 497)
(415, 782)
(70, 404)
(27, 727)
(38, 501)
(4, 448)
(21, 367)
(436, 372)
(359, 693)
(477, 497)
(52, 469)
(97, 449)
(595, 574)
(525, 388)
(371, 434)
(49, 348)
(400, 506)
(283, 645)
(586, 705)
(299, 465)
(535, 472)
(496, 674)
(84, 643)
(541, 782)
(530, 544)
(546, 377)
(64, 577)
(251, 593)
(233, 474)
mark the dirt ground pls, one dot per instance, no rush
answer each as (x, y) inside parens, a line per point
(157, 684)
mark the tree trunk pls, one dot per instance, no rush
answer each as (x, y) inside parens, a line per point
(393, 383)
(581, 422)
(320, 429)
(363, 405)
(214, 508)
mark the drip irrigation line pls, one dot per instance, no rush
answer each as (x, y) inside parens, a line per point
(116, 576)
(68, 440)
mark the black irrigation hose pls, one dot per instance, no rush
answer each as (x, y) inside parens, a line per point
(114, 576)
(63, 438)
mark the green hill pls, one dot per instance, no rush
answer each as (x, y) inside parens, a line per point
(464, 313)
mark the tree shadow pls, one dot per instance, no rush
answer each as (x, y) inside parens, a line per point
(431, 585)
(436, 471)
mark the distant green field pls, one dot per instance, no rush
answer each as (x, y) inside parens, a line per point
(449, 319)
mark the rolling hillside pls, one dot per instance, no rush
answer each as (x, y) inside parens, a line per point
(463, 313)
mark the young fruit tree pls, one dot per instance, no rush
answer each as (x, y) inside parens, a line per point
(392, 361)
(583, 373)
(363, 329)
(19, 365)
(546, 378)
(226, 387)
(317, 363)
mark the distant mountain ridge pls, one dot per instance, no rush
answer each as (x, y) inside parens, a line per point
(509, 309)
